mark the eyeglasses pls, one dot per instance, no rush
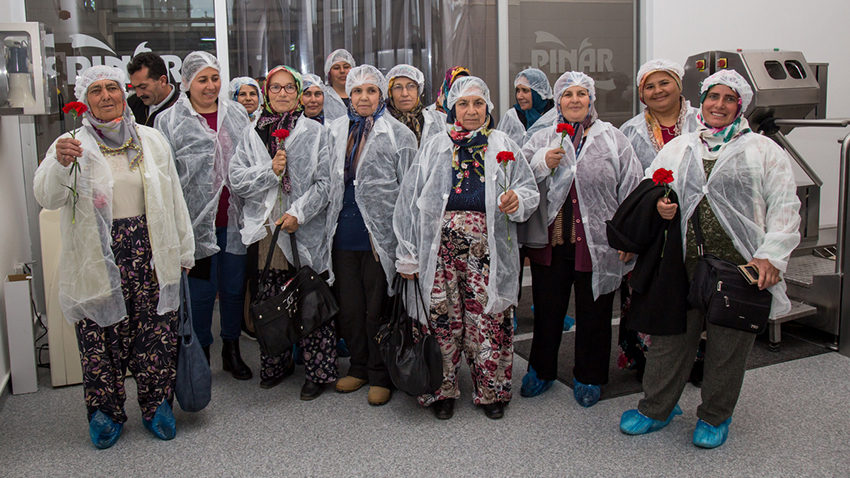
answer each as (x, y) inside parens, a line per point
(289, 88)
(411, 87)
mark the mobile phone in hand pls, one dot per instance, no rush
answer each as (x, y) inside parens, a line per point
(750, 273)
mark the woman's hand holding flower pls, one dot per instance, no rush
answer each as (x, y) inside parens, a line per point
(509, 203)
(553, 157)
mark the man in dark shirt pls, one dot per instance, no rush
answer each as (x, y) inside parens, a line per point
(154, 94)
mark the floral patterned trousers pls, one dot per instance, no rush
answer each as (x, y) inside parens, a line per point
(144, 342)
(458, 321)
(318, 348)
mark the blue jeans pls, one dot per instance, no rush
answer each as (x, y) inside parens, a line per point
(227, 280)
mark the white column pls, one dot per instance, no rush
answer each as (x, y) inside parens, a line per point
(504, 59)
(222, 48)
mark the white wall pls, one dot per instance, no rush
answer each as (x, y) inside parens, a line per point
(676, 29)
(14, 231)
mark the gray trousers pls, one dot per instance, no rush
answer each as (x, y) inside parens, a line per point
(669, 361)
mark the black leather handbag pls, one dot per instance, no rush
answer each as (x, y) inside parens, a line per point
(719, 289)
(305, 303)
(415, 368)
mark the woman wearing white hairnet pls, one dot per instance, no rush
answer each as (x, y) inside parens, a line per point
(246, 91)
(204, 131)
(126, 233)
(591, 169)
(455, 220)
(406, 84)
(370, 153)
(742, 187)
(667, 115)
(337, 66)
(313, 98)
(286, 182)
(533, 99)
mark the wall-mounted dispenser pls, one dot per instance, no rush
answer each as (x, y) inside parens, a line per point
(25, 86)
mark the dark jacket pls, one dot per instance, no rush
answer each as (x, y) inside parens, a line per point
(140, 110)
(659, 281)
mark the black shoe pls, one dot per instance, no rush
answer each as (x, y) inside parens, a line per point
(272, 382)
(207, 353)
(231, 360)
(311, 390)
(444, 409)
(494, 411)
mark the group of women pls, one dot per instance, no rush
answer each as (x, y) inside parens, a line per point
(373, 183)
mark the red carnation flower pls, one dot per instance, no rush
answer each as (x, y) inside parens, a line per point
(505, 156)
(565, 128)
(281, 134)
(75, 106)
(662, 176)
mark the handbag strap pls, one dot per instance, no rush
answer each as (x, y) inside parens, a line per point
(185, 327)
(698, 231)
(296, 259)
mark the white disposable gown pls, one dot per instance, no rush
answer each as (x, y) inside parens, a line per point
(203, 160)
(752, 192)
(308, 164)
(636, 130)
(513, 127)
(605, 173)
(422, 204)
(334, 106)
(387, 154)
(89, 280)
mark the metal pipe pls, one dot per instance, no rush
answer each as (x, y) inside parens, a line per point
(844, 301)
(841, 233)
(840, 122)
(784, 143)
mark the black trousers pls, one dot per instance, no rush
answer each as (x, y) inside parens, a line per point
(551, 293)
(361, 292)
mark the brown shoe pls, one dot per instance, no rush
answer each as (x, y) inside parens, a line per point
(379, 395)
(349, 384)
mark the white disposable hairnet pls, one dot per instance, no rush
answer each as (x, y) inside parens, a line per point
(732, 79)
(660, 64)
(468, 86)
(97, 73)
(365, 75)
(575, 78)
(341, 55)
(237, 83)
(309, 80)
(407, 71)
(193, 64)
(536, 80)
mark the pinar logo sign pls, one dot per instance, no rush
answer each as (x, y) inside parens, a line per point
(559, 58)
(74, 65)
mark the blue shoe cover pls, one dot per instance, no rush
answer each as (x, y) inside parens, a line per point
(586, 395)
(515, 321)
(162, 425)
(298, 356)
(103, 431)
(568, 323)
(707, 436)
(533, 386)
(635, 423)
(341, 349)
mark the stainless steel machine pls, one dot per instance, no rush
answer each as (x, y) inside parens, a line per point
(789, 92)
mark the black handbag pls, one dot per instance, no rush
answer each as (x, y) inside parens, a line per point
(719, 289)
(193, 386)
(305, 303)
(415, 368)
